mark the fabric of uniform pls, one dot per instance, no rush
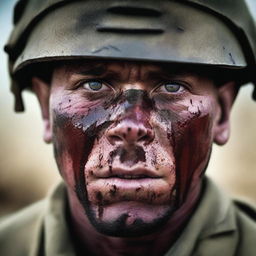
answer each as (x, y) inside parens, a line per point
(217, 227)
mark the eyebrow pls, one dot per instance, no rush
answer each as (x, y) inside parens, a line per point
(88, 70)
(165, 74)
(101, 70)
(154, 75)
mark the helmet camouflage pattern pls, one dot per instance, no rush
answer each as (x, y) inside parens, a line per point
(213, 33)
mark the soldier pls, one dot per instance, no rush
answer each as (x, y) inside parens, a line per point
(133, 95)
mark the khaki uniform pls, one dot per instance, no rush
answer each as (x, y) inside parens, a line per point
(218, 227)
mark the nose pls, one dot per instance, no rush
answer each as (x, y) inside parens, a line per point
(129, 132)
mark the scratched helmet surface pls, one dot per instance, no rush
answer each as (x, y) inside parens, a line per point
(206, 32)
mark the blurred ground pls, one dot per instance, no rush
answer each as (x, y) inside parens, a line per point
(27, 168)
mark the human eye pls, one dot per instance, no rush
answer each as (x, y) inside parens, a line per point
(172, 87)
(94, 86)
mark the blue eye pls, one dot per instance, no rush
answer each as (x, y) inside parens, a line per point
(93, 85)
(173, 87)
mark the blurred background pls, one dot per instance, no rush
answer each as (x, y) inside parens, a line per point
(27, 167)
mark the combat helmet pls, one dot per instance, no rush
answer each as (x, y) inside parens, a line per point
(212, 33)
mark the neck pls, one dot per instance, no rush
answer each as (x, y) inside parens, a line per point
(88, 239)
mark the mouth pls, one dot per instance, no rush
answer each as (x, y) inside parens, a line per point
(129, 174)
(129, 184)
(131, 177)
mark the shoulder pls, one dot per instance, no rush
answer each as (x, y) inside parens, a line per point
(245, 217)
(21, 219)
(246, 226)
(18, 230)
(229, 229)
(246, 208)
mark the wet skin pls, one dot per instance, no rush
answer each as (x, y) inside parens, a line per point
(132, 142)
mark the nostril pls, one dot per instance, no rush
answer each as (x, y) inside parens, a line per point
(115, 138)
(144, 138)
(144, 135)
(141, 133)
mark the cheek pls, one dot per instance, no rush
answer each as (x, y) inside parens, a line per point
(71, 147)
(192, 149)
(76, 124)
(188, 126)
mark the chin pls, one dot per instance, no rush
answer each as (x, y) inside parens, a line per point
(131, 222)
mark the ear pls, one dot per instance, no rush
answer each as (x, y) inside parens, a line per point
(42, 91)
(226, 95)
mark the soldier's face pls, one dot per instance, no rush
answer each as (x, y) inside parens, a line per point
(133, 140)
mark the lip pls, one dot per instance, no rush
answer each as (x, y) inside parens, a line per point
(129, 184)
(129, 174)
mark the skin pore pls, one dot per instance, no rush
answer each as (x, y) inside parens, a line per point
(132, 141)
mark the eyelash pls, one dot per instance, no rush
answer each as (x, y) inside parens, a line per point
(182, 84)
(83, 82)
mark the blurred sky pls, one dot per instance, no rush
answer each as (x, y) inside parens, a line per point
(27, 167)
